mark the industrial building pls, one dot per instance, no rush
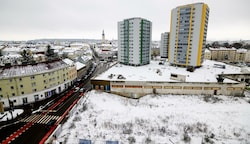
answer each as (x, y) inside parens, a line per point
(155, 78)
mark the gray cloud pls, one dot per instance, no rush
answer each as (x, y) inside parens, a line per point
(29, 19)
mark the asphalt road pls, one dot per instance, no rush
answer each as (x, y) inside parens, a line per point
(32, 136)
(7, 131)
(37, 123)
(38, 130)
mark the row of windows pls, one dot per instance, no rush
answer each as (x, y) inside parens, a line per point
(130, 31)
(33, 84)
(175, 87)
(186, 9)
(25, 99)
(33, 77)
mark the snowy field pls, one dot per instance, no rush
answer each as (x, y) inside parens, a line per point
(7, 114)
(159, 119)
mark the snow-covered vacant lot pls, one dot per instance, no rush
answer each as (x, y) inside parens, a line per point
(159, 119)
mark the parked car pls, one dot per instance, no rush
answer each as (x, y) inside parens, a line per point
(50, 124)
(82, 90)
(76, 89)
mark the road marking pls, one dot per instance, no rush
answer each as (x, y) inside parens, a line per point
(17, 133)
(39, 118)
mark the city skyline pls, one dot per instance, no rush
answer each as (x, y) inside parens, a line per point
(86, 19)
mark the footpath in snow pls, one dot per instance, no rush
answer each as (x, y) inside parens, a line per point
(159, 119)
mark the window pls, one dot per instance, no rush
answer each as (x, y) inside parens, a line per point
(10, 80)
(22, 92)
(1, 96)
(33, 84)
(0, 89)
(34, 90)
(14, 101)
(12, 87)
(25, 100)
(21, 86)
(13, 94)
(20, 79)
(36, 97)
(32, 77)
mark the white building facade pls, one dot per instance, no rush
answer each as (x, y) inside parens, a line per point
(134, 41)
(164, 45)
(188, 34)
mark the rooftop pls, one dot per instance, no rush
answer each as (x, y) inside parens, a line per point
(161, 73)
(79, 65)
(242, 50)
(223, 48)
(17, 71)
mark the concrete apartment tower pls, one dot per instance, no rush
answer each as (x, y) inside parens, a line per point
(164, 45)
(134, 41)
(188, 34)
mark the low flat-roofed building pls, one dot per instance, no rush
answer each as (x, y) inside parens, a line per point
(223, 54)
(229, 55)
(240, 55)
(154, 78)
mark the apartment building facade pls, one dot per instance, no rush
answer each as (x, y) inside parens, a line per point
(134, 41)
(230, 55)
(22, 85)
(164, 45)
(188, 34)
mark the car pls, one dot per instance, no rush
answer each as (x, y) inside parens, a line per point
(82, 90)
(50, 124)
(76, 89)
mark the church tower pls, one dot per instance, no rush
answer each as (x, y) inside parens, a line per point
(103, 37)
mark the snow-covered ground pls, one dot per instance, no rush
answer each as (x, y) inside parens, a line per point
(159, 119)
(7, 114)
(162, 73)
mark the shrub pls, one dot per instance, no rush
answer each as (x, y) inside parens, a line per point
(186, 138)
(148, 140)
(131, 140)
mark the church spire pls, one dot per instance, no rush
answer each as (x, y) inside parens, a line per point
(103, 37)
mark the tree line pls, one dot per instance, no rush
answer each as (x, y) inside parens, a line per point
(236, 45)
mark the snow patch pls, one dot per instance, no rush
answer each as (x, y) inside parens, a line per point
(159, 119)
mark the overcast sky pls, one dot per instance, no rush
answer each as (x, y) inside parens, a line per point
(35, 19)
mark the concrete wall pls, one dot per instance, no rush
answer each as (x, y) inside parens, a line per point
(136, 89)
